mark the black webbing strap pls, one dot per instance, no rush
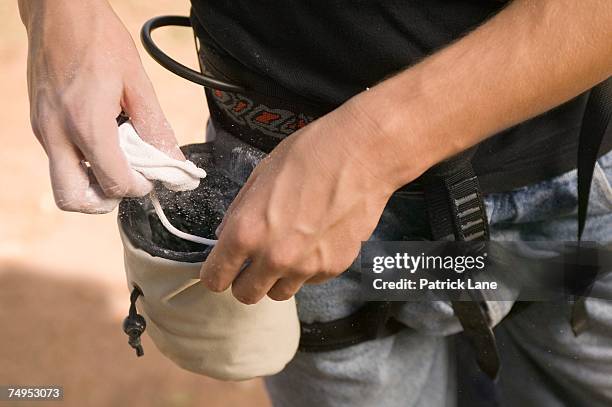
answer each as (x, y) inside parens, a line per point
(594, 125)
(372, 321)
(454, 200)
(456, 211)
(595, 121)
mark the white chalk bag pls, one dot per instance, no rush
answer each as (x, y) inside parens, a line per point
(202, 331)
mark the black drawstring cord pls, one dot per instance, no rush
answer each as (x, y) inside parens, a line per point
(134, 324)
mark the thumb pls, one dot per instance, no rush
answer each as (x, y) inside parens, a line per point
(141, 104)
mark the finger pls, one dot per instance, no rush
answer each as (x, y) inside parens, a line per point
(254, 282)
(285, 288)
(99, 142)
(141, 104)
(72, 187)
(225, 262)
(320, 278)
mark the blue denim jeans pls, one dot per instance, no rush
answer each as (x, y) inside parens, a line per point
(416, 367)
(544, 363)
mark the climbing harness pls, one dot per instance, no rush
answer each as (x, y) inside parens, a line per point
(454, 199)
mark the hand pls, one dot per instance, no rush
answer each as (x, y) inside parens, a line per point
(303, 213)
(83, 70)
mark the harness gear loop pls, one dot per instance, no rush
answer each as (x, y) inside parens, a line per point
(173, 66)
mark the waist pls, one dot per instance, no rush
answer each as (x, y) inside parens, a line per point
(505, 162)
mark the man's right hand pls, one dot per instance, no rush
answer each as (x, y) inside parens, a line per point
(83, 71)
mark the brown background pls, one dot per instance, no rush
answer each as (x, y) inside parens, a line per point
(62, 285)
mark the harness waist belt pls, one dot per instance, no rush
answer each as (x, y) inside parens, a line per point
(261, 124)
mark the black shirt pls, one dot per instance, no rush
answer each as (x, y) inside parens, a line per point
(324, 52)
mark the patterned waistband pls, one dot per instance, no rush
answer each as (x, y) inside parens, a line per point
(259, 124)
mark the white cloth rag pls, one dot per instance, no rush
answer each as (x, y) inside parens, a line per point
(155, 165)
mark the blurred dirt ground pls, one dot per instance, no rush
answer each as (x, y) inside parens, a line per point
(59, 331)
(62, 285)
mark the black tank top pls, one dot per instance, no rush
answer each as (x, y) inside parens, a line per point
(327, 51)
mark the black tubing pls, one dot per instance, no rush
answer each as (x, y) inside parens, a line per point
(173, 66)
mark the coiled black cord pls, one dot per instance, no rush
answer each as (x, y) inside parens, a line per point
(173, 66)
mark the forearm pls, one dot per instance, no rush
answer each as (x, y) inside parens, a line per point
(528, 59)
